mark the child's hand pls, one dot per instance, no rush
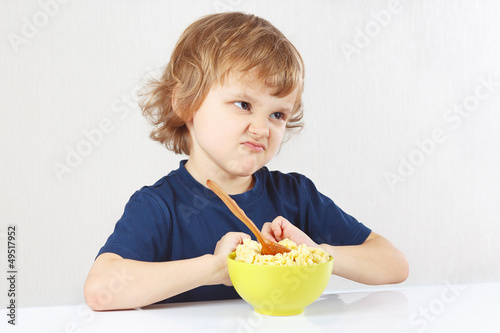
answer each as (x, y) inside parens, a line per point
(281, 228)
(226, 245)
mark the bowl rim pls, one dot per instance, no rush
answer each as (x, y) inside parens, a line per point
(232, 257)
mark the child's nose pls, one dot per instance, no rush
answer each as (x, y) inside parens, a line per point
(259, 127)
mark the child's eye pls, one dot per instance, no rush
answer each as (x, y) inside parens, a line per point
(278, 115)
(243, 105)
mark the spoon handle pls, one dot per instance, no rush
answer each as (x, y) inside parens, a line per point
(237, 211)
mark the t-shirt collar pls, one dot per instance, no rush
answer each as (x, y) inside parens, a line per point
(199, 190)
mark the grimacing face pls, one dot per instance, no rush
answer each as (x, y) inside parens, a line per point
(238, 128)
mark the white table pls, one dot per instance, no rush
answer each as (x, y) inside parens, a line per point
(443, 308)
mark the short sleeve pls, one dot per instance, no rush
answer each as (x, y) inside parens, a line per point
(142, 232)
(325, 222)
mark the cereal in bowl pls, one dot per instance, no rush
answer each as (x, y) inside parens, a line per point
(249, 252)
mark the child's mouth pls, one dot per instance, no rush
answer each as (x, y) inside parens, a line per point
(254, 146)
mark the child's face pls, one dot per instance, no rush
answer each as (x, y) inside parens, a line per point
(238, 129)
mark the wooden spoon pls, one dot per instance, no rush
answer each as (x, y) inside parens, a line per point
(268, 247)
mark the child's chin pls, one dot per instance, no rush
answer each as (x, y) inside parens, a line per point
(245, 170)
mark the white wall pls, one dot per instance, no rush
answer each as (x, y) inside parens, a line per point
(76, 68)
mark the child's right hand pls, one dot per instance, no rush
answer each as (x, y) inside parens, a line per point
(226, 245)
(281, 228)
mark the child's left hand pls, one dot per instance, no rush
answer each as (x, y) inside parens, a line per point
(281, 228)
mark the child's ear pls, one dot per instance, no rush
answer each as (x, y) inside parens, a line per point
(178, 112)
(186, 116)
(175, 104)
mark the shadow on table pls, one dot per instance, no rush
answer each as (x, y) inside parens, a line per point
(229, 316)
(381, 311)
(382, 307)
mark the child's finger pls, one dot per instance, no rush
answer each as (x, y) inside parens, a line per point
(278, 226)
(267, 231)
(238, 237)
(229, 242)
(277, 231)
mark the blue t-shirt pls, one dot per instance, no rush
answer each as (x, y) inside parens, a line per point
(178, 218)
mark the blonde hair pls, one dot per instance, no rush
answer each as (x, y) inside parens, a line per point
(204, 55)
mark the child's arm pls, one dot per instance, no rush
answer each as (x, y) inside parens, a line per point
(115, 283)
(376, 261)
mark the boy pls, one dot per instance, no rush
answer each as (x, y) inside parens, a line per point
(231, 90)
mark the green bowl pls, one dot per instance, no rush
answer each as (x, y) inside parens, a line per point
(279, 290)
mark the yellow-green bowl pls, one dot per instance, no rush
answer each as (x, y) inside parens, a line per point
(279, 290)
